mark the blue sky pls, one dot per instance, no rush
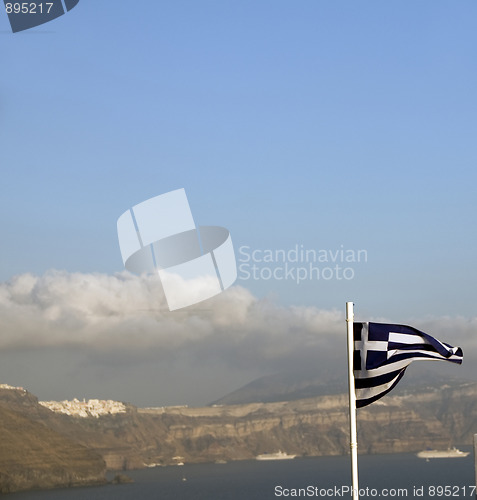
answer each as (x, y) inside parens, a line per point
(307, 123)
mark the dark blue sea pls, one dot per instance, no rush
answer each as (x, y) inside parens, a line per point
(381, 476)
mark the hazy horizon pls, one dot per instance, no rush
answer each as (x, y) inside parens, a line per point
(113, 337)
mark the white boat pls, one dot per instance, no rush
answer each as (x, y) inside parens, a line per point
(280, 455)
(449, 453)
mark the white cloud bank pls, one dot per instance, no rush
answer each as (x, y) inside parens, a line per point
(116, 335)
(61, 309)
(129, 312)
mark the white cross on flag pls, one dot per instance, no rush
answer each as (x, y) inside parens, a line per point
(383, 351)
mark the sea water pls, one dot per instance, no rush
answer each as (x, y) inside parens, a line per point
(381, 476)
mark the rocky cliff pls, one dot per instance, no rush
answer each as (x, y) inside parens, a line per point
(307, 427)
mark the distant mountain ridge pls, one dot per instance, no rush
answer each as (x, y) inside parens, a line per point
(300, 384)
(284, 386)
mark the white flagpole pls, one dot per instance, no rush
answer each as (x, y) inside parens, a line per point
(352, 402)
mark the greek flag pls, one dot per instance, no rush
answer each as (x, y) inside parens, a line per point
(382, 352)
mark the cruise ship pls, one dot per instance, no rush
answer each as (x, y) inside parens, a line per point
(450, 453)
(280, 455)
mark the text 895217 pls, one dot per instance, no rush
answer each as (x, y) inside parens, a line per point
(28, 7)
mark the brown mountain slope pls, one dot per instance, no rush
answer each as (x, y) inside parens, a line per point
(34, 456)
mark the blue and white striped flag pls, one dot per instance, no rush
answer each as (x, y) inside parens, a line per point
(382, 352)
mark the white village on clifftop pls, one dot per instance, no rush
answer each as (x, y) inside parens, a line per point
(12, 388)
(91, 408)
